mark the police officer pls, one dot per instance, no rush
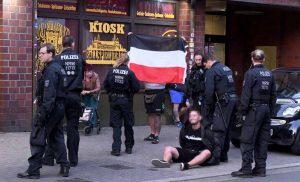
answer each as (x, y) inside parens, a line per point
(257, 104)
(195, 81)
(121, 84)
(219, 103)
(50, 96)
(73, 65)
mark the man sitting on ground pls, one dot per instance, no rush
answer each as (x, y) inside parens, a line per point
(196, 143)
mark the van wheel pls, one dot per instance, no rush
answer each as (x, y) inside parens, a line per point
(236, 142)
(296, 146)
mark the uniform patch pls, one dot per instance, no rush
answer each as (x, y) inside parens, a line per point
(47, 82)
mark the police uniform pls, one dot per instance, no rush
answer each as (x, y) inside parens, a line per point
(73, 66)
(50, 112)
(220, 102)
(195, 85)
(120, 84)
(258, 100)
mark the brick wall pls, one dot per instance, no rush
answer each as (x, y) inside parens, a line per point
(185, 23)
(15, 65)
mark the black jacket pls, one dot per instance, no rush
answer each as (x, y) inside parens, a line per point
(121, 80)
(51, 87)
(258, 87)
(73, 65)
(218, 79)
(188, 138)
(195, 81)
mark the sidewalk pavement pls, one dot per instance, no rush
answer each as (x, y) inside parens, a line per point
(96, 163)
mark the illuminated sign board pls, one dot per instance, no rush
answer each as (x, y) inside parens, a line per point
(57, 5)
(156, 10)
(111, 7)
(105, 42)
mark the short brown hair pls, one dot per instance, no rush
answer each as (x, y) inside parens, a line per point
(49, 47)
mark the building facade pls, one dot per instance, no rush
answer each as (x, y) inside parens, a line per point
(230, 29)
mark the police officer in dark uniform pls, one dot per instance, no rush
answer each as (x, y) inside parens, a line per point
(257, 104)
(195, 81)
(121, 84)
(73, 65)
(47, 124)
(219, 103)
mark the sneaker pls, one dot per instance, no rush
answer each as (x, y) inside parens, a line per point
(178, 124)
(149, 138)
(28, 176)
(160, 163)
(184, 166)
(155, 140)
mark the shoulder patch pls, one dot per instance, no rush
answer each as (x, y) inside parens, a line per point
(47, 82)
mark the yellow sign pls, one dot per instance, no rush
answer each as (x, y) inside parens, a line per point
(52, 32)
(57, 6)
(155, 15)
(104, 52)
(101, 27)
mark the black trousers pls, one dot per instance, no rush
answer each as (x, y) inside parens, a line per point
(55, 141)
(122, 109)
(72, 112)
(220, 129)
(254, 138)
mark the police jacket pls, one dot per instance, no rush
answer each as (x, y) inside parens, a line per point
(51, 87)
(258, 88)
(73, 65)
(195, 81)
(219, 80)
(196, 140)
(121, 80)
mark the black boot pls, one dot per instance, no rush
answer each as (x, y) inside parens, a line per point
(241, 174)
(28, 176)
(128, 150)
(64, 171)
(115, 152)
(260, 173)
(224, 157)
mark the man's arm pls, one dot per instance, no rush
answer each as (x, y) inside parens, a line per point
(209, 95)
(50, 88)
(246, 93)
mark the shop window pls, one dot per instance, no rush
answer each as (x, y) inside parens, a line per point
(271, 56)
(107, 7)
(217, 49)
(52, 30)
(215, 25)
(103, 42)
